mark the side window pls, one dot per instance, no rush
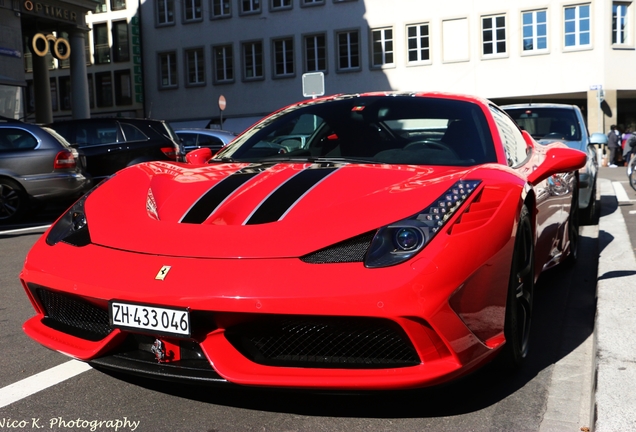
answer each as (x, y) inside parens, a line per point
(511, 138)
(16, 139)
(132, 133)
(188, 139)
(205, 140)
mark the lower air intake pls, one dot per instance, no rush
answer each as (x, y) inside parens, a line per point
(324, 342)
(74, 315)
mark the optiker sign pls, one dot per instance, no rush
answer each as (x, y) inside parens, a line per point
(51, 11)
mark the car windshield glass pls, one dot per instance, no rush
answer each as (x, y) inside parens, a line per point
(547, 123)
(373, 129)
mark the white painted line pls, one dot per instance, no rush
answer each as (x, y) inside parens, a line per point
(621, 194)
(21, 230)
(41, 381)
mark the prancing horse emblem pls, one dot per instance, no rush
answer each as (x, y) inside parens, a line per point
(163, 273)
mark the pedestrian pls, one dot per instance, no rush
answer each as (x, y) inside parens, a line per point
(613, 144)
(627, 138)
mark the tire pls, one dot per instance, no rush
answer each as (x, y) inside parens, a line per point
(574, 224)
(632, 173)
(14, 202)
(520, 297)
(588, 215)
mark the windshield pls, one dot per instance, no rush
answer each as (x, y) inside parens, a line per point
(371, 129)
(547, 123)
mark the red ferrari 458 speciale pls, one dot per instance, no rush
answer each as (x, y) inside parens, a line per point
(363, 241)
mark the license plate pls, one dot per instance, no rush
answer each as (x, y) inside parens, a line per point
(154, 319)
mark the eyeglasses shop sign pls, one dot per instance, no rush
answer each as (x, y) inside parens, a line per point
(49, 10)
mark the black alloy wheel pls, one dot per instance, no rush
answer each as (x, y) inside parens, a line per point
(520, 296)
(13, 200)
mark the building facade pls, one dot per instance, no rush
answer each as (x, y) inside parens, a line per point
(255, 52)
(70, 59)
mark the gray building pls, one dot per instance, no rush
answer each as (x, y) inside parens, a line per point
(254, 53)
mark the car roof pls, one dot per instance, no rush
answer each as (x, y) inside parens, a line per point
(538, 105)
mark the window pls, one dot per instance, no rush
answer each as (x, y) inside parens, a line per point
(165, 12)
(284, 57)
(53, 84)
(315, 53)
(250, 6)
(192, 10)
(123, 87)
(117, 5)
(12, 139)
(167, 70)
(577, 26)
(493, 35)
(132, 133)
(418, 43)
(281, 4)
(253, 60)
(121, 52)
(100, 43)
(535, 30)
(514, 145)
(195, 67)
(101, 7)
(221, 8)
(65, 93)
(348, 50)
(104, 86)
(619, 23)
(223, 64)
(91, 93)
(382, 47)
(312, 2)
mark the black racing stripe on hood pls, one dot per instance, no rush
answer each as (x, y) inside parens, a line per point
(211, 200)
(283, 198)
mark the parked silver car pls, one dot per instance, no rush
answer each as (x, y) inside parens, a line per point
(548, 122)
(36, 164)
(193, 138)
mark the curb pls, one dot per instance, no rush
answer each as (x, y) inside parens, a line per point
(615, 326)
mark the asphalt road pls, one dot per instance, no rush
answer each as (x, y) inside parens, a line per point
(484, 401)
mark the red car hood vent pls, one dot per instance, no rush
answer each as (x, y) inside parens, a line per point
(480, 211)
(256, 210)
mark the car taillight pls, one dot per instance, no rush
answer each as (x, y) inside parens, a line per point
(170, 152)
(64, 160)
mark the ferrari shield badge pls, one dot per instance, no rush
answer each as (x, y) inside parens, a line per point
(163, 273)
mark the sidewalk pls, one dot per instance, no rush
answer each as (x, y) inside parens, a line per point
(615, 329)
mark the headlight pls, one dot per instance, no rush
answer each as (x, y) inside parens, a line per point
(400, 241)
(72, 227)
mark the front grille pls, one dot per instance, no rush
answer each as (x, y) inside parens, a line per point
(324, 342)
(351, 250)
(74, 315)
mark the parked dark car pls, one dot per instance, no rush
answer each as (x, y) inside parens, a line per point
(36, 165)
(215, 139)
(111, 144)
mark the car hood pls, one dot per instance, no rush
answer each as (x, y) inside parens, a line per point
(240, 210)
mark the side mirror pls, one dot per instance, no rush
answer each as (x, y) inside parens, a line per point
(558, 160)
(199, 156)
(598, 138)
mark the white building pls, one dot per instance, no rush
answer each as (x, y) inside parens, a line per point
(254, 53)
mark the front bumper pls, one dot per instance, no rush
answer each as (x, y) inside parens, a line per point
(417, 306)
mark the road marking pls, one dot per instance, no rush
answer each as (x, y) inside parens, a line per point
(621, 194)
(41, 381)
(21, 230)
